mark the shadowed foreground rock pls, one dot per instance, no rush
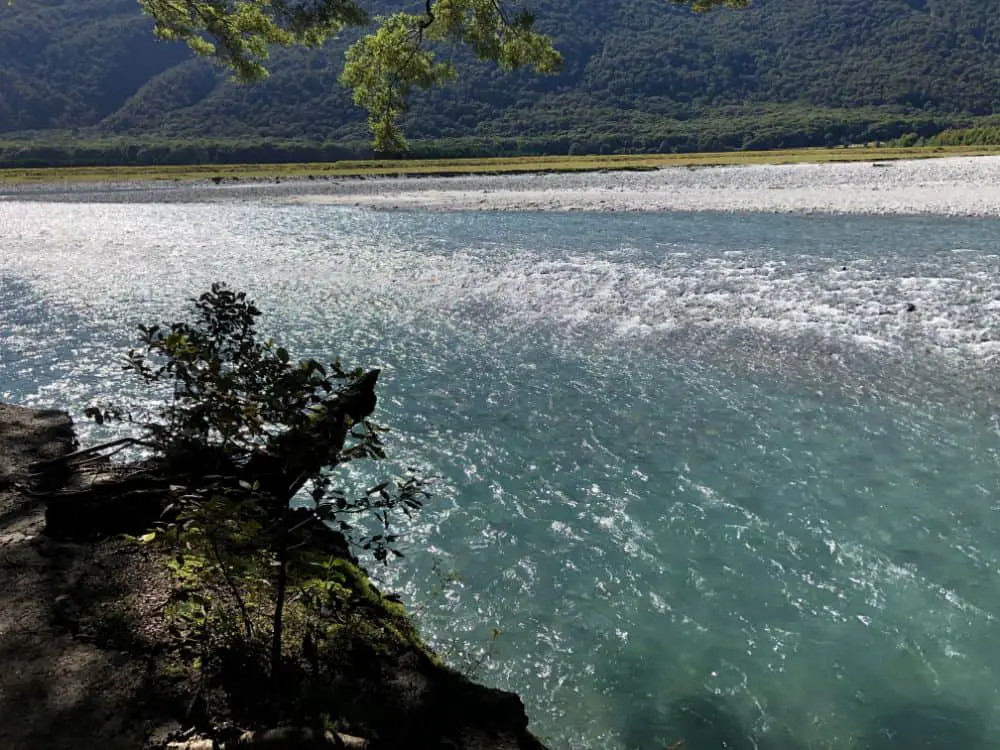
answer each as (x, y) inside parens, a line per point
(88, 660)
(57, 690)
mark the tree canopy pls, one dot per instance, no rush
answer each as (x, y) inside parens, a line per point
(395, 55)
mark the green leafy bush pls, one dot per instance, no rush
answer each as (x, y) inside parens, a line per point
(247, 439)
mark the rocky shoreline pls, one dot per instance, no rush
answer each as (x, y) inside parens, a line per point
(91, 661)
(958, 186)
(949, 186)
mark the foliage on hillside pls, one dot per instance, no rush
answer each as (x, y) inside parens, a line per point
(765, 129)
(985, 135)
(634, 70)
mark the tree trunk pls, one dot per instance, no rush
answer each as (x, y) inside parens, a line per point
(279, 611)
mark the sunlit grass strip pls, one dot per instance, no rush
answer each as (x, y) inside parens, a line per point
(504, 165)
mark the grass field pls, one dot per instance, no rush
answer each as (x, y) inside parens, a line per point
(510, 165)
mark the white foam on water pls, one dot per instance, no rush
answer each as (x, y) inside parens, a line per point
(948, 303)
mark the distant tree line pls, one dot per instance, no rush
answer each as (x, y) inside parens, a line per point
(718, 134)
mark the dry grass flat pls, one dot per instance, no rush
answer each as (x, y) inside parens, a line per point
(505, 165)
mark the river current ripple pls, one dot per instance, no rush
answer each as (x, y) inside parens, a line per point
(727, 479)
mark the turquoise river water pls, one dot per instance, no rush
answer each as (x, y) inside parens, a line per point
(730, 479)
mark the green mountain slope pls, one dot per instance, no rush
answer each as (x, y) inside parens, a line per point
(634, 69)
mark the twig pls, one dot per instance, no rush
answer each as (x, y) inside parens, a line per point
(244, 614)
(93, 449)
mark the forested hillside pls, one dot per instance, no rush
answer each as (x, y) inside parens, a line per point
(637, 72)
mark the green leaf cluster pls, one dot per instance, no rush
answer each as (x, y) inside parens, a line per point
(241, 33)
(237, 397)
(244, 430)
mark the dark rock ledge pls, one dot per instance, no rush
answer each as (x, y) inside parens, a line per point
(87, 659)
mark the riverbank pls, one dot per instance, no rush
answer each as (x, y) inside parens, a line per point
(321, 171)
(949, 186)
(954, 186)
(91, 658)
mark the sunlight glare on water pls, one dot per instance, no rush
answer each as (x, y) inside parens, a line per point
(724, 479)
